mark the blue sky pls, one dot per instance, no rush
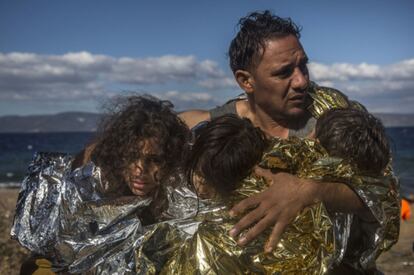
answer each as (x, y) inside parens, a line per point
(71, 55)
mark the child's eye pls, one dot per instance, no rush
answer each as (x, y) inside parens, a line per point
(153, 159)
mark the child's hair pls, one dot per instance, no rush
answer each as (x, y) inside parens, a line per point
(130, 121)
(355, 135)
(225, 151)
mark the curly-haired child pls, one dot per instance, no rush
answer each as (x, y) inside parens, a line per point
(143, 142)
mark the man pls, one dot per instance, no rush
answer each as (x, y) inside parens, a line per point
(270, 65)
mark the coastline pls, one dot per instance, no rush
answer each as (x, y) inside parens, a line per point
(399, 260)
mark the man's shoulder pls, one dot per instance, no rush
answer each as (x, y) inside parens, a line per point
(192, 117)
(326, 98)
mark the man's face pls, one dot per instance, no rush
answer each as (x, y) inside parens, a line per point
(281, 78)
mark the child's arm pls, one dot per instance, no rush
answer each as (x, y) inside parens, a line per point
(83, 156)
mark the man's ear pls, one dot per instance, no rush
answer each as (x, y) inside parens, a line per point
(245, 80)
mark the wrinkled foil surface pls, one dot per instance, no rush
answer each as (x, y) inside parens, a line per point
(306, 247)
(66, 217)
(368, 239)
(95, 234)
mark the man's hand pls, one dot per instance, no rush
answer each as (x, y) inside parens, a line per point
(278, 205)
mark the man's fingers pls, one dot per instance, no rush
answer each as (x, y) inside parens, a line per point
(274, 237)
(246, 221)
(244, 205)
(263, 172)
(255, 231)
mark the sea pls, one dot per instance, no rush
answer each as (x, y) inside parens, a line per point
(17, 149)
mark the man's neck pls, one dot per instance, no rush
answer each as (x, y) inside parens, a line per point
(260, 119)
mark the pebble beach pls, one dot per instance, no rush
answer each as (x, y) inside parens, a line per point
(399, 260)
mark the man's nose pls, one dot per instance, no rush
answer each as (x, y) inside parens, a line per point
(300, 80)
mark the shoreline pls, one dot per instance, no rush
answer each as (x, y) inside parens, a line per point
(10, 185)
(399, 260)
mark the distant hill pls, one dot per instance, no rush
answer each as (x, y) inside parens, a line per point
(62, 122)
(87, 122)
(396, 120)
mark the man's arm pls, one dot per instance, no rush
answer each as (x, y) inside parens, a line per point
(285, 198)
(193, 117)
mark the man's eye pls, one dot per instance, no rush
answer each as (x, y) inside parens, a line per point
(285, 73)
(304, 68)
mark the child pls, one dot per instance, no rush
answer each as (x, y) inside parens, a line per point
(357, 136)
(225, 152)
(220, 152)
(64, 215)
(142, 143)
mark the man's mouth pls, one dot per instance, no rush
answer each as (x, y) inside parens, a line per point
(298, 98)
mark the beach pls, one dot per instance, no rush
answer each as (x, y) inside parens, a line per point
(11, 253)
(399, 260)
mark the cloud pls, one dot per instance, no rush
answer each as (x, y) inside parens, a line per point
(28, 76)
(217, 83)
(154, 70)
(188, 100)
(81, 76)
(387, 88)
(344, 71)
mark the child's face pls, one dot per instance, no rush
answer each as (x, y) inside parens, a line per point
(203, 190)
(141, 176)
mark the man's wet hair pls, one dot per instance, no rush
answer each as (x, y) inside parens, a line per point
(225, 152)
(256, 28)
(355, 135)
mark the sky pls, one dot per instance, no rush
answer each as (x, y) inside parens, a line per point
(58, 56)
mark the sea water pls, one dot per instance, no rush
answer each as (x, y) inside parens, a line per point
(17, 149)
